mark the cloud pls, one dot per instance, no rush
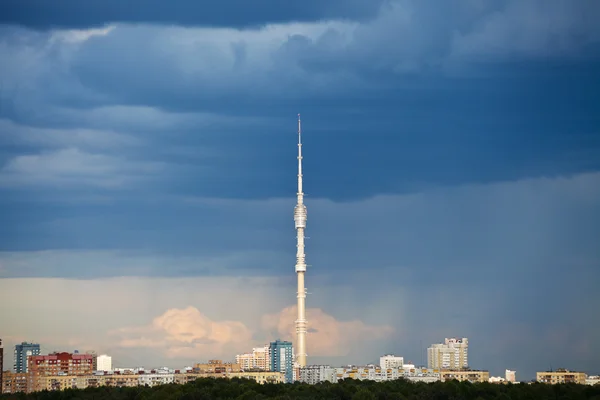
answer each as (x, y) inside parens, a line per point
(327, 337)
(210, 101)
(232, 236)
(187, 333)
(532, 29)
(187, 66)
(72, 166)
(181, 12)
(12, 134)
(80, 35)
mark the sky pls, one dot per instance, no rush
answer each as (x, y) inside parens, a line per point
(451, 171)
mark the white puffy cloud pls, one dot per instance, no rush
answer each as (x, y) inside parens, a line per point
(170, 321)
(327, 336)
(187, 333)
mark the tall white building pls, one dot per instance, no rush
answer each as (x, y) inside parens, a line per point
(104, 363)
(510, 376)
(452, 354)
(391, 361)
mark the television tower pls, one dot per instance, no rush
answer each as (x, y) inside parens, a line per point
(300, 222)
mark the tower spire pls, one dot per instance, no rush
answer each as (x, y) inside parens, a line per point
(300, 224)
(300, 193)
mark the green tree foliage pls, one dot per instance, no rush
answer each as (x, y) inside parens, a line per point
(348, 389)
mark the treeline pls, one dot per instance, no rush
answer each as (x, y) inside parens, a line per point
(349, 389)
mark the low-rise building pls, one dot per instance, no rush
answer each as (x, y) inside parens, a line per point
(592, 380)
(463, 375)
(261, 377)
(217, 366)
(313, 374)
(561, 376)
(427, 375)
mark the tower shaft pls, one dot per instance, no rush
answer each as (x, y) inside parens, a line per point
(300, 223)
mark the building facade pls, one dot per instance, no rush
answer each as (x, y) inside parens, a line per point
(592, 380)
(561, 376)
(282, 359)
(452, 354)
(22, 351)
(510, 376)
(313, 374)
(57, 364)
(463, 375)
(103, 363)
(217, 367)
(259, 359)
(391, 361)
(14, 382)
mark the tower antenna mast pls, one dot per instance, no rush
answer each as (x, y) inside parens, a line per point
(300, 224)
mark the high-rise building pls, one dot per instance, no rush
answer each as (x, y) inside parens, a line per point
(94, 359)
(510, 376)
(259, 359)
(452, 354)
(300, 224)
(103, 363)
(282, 359)
(56, 364)
(1, 364)
(22, 351)
(391, 361)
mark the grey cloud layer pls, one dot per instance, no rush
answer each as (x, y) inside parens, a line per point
(206, 103)
(527, 226)
(239, 13)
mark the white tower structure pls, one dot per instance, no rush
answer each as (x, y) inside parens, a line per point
(300, 222)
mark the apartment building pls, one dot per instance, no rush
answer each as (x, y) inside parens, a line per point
(465, 375)
(510, 376)
(103, 363)
(391, 361)
(258, 359)
(22, 352)
(57, 364)
(217, 367)
(452, 354)
(561, 376)
(282, 358)
(313, 374)
(14, 382)
(592, 380)
(260, 377)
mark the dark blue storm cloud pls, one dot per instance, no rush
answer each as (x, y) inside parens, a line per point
(229, 13)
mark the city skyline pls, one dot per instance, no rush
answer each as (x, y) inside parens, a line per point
(147, 171)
